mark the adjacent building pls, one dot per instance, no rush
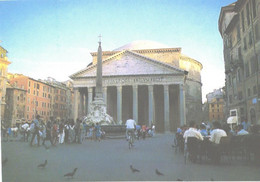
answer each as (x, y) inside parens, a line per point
(146, 81)
(216, 103)
(15, 108)
(39, 96)
(239, 26)
(3, 79)
(48, 98)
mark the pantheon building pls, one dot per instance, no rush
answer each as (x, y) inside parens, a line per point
(146, 81)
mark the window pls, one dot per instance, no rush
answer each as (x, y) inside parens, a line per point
(29, 91)
(238, 32)
(247, 70)
(247, 14)
(245, 44)
(257, 31)
(240, 95)
(239, 75)
(212, 105)
(243, 20)
(253, 65)
(230, 99)
(241, 111)
(248, 92)
(254, 8)
(250, 41)
(38, 86)
(29, 83)
(254, 90)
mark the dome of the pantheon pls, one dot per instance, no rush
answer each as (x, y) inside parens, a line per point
(141, 44)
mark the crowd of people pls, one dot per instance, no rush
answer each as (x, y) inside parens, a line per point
(38, 132)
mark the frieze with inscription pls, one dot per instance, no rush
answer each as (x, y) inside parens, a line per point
(145, 80)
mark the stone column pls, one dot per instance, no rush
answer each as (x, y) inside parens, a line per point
(135, 103)
(119, 103)
(81, 105)
(166, 108)
(90, 96)
(182, 104)
(86, 103)
(75, 103)
(105, 95)
(151, 107)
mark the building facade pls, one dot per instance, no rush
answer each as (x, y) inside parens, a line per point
(215, 101)
(3, 79)
(239, 26)
(15, 108)
(39, 96)
(48, 98)
(146, 81)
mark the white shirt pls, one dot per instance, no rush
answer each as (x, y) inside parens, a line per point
(216, 134)
(130, 124)
(25, 126)
(192, 132)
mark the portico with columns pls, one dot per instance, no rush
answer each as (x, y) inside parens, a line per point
(137, 87)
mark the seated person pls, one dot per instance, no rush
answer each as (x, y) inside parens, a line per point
(203, 130)
(192, 132)
(217, 133)
(241, 130)
(215, 137)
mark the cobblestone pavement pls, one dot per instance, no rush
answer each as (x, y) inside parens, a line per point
(109, 160)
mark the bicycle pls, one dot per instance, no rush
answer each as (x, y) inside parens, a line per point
(130, 139)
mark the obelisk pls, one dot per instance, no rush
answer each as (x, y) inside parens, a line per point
(99, 88)
(98, 110)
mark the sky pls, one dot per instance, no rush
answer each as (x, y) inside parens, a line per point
(54, 38)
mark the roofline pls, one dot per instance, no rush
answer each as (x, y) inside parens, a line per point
(194, 60)
(228, 8)
(239, 4)
(4, 49)
(107, 53)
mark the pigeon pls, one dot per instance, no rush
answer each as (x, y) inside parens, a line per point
(4, 161)
(43, 165)
(133, 169)
(179, 179)
(158, 173)
(71, 174)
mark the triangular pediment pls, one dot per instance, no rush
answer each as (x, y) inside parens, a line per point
(129, 63)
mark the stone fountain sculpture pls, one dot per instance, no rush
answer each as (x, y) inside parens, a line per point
(98, 110)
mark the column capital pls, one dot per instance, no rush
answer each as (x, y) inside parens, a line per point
(150, 88)
(166, 87)
(119, 88)
(135, 86)
(90, 89)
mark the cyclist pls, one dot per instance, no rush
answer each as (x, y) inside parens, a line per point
(130, 127)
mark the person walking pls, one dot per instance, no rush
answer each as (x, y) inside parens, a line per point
(48, 133)
(98, 132)
(61, 132)
(36, 131)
